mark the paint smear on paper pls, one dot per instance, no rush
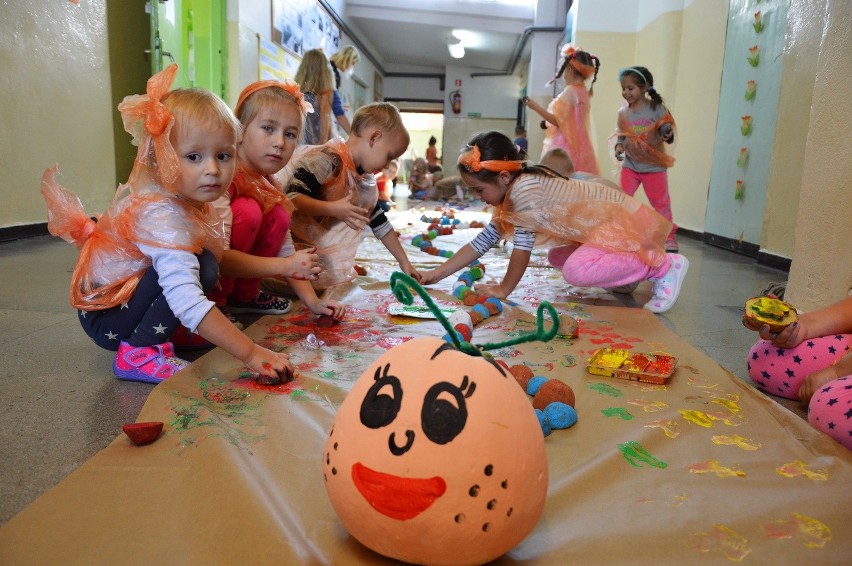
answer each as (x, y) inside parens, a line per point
(730, 404)
(725, 540)
(648, 406)
(670, 427)
(797, 469)
(701, 383)
(812, 532)
(636, 455)
(697, 417)
(714, 467)
(606, 389)
(738, 441)
(619, 412)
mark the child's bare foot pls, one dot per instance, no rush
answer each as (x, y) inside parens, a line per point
(814, 382)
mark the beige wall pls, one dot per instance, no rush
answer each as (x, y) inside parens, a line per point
(56, 103)
(822, 257)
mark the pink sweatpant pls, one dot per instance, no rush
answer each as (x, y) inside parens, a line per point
(656, 189)
(254, 233)
(782, 371)
(587, 266)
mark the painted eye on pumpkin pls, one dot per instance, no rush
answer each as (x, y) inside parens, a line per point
(444, 412)
(382, 402)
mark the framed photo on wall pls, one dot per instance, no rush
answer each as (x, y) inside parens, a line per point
(300, 25)
(378, 92)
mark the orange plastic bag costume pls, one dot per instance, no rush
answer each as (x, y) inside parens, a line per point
(647, 147)
(336, 243)
(267, 191)
(144, 211)
(571, 110)
(584, 211)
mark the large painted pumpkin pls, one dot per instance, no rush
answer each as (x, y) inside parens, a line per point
(436, 457)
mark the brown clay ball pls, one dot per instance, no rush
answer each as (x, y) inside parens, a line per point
(553, 390)
(522, 374)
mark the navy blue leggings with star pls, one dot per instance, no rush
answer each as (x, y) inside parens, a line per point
(146, 319)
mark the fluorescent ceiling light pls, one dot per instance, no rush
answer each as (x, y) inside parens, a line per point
(456, 50)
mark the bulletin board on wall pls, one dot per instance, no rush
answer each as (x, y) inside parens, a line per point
(301, 25)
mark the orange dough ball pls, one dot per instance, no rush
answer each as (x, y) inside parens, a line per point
(522, 374)
(553, 390)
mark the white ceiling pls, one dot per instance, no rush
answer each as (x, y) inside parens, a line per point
(412, 36)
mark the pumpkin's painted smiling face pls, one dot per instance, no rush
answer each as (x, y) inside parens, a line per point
(436, 456)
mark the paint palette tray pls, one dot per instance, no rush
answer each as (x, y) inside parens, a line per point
(633, 366)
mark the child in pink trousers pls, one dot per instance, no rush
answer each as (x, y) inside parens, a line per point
(810, 360)
(599, 237)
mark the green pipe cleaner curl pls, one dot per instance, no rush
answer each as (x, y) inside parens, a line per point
(402, 284)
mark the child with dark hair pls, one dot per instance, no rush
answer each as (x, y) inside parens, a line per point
(432, 159)
(644, 124)
(598, 236)
(567, 116)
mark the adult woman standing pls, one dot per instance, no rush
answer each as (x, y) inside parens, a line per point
(342, 62)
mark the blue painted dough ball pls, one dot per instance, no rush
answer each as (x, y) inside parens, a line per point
(534, 383)
(560, 415)
(542, 420)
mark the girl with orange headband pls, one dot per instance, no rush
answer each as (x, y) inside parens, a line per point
(147, 263)
(567, 116)
(597, 235)
(257, 212)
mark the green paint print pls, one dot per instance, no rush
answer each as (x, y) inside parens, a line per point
(636, 455)
(222, 411)
(619, 412)
(606, 389)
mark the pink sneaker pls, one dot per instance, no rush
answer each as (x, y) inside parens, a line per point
(150, 364)
(667, 288)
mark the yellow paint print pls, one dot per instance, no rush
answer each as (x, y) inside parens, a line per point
(649, 406)
(670, 427)
(714, 467)
(738, 441)
(697, 417)
(701, 383)
(724, 539)
(729, 419)
(729, 404)
(797, 468)
(814, 533)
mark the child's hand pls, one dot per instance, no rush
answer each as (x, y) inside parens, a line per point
(334, 309)
(409, 270)
(428, 277)
(491, 290)
(619, 152)
(268, 363)
(302, 265)
(666, 132)
(354, 216)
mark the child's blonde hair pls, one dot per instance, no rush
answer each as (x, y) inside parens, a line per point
(382, 115)
(346, 58)
(266, 98)
(191, 106)
(314, 73)
(558, 160)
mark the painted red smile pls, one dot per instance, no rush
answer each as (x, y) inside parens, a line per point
(397, 497)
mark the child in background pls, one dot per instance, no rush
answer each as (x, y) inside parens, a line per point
(145, 266)
(810, 360)
(420, 181)
(257, 212)
(644, 123)
(521, 141)
(599, 237)
(567, 116)
(432, 160)
(334, 190)
(317, 83)
(386, 181)
(558, 160)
